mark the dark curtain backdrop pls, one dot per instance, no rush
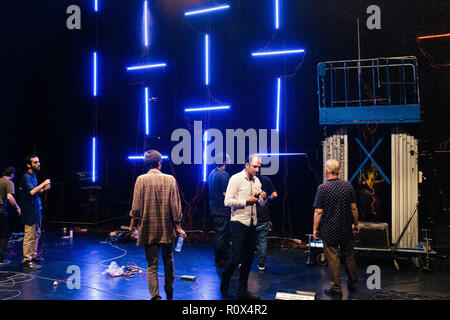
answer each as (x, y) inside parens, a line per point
(48, 109)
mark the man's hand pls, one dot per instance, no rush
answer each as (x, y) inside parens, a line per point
(355, 228)
(181, 231)
(316, 235)
(263, 195)
(19, 212)
(45, 185)
(252, 200)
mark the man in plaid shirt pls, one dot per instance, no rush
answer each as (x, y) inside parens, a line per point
(156, 209)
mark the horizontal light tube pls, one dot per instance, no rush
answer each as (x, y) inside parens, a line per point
(207, 108)
(208, 10)
(272, 53)
(434, 36)
(147, 66)
(142, 157)
(279, 154)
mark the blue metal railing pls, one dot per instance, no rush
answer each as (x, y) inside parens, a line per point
(389, 84)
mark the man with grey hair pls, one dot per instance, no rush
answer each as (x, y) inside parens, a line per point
(243, 192)
(156, 209)
(335, 222)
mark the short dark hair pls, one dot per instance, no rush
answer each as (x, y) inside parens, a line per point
(152, 158)
(9, 171)
(221, 159)
(28, 159)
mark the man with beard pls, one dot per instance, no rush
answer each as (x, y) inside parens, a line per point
(31, 211)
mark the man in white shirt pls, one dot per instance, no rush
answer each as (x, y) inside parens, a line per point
(243, 192)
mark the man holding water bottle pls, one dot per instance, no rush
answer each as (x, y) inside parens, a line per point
(156, 210)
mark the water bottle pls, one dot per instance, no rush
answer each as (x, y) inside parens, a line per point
(179, 243)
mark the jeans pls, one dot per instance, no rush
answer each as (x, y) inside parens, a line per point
(262, 230)
(152, 257)
(221, 238)
(4, 234)
(334, 256)
(242, 251)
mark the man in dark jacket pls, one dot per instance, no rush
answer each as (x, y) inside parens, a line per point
(220, 215)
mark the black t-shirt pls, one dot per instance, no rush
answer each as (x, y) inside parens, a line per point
(218, 182)
(335, 197)
(6, 186)
(263, 212)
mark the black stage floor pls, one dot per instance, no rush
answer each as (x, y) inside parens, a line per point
(286, 271)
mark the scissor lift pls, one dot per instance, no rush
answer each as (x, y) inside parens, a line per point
(369, 92)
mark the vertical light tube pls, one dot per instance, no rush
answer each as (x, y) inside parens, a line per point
(278, 104)
(93, 160)
(207, 59)
(96, 5)
(94, 89)
(277, 14)
(146, 112)
(145, 23)
(205, 137)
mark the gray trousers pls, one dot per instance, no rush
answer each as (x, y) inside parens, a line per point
(152, 257)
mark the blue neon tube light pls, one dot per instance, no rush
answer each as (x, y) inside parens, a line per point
(277, 14)
(94, 90)
(142, 157)
(93, 159)
(278, 104)
(145, 23)
(207, 59)
(147, 66)
(146, 112)
(204, 156)
(207, 10)
(206, 108)
(279, 154)
(271, 53)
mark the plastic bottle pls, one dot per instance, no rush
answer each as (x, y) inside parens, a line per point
(179, 243)
(71, 233)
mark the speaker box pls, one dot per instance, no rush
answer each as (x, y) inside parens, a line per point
(373, 235)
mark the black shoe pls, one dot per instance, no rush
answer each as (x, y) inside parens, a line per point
(30, 266)
(4, 261)
(351, 288)
(169, 293)
(221, 263)
(37, 260)
(261, 267)
(332, 292)
(156, 298)
(224, 288)
(246, 296)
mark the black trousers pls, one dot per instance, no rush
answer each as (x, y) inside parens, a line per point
(4, 233)
(242, 252)
(221, 238)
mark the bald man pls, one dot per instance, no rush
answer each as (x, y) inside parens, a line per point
(336, 222)
(243, 193)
